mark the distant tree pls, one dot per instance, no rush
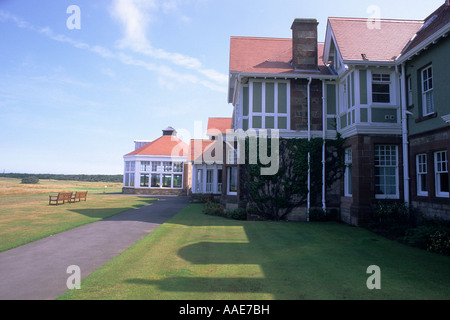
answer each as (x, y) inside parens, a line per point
(30, 180)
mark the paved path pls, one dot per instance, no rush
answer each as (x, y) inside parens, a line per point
(38, 270)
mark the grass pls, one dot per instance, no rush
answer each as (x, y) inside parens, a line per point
(26, 216)
(199, 257)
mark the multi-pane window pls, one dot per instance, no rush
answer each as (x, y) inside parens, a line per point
(144, 180)
(129, 173)
(145, 165)
(421, 170)
(156, 180)
(167, 180)
(386, 171)
(265, 105)
(348, 173)
(381, 84)
(129, 179)
(427, 91)
(163, 174)
(178, 167)
(167, 165)
(177, 180)
(441, 174)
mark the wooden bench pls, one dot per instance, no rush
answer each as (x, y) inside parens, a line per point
(61, 197)
(79, 195)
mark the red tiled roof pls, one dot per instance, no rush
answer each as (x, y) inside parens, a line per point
(384, 43)
(163, 146)
(266, 56)
(216, 125)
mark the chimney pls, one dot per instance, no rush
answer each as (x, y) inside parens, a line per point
(169, 131)
(304, 44)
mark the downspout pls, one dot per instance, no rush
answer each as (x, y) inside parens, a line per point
(324, 135)
(405, 137)
(308, 202)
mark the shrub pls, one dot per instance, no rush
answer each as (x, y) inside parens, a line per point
(213, 208)
(316, 214)
(419, 236)
(439, 242)
(30, 180)
(236, 214)
(388, 212)
(432, 237)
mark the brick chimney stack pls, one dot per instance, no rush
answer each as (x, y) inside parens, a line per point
(304, 44)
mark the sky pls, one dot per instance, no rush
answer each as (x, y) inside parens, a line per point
(80, 80)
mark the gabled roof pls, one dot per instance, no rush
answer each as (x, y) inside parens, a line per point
(218, 125)
(253, 55)
(163, 146)
(383, 40)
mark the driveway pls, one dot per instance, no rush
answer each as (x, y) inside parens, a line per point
(38, 270)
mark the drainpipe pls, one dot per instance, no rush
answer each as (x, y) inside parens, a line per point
(308, 202)
(324, 127)
(405, 137)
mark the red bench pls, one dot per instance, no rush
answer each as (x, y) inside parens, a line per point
(61, 197)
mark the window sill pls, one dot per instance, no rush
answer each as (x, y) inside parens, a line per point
(427, 117)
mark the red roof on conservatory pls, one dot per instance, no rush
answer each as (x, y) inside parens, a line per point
(163, 146)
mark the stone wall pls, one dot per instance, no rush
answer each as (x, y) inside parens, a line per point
(154, 192)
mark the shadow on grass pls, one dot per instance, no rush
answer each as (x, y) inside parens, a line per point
(299, 261)
(205, 284)
(151, 211)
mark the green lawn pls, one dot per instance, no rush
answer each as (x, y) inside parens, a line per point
(195, 256)
(26, 216)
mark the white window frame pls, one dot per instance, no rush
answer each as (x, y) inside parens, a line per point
(381, 80)
(348, 173)
(161, 167)
(229, 171)
(128, 179)
(143, 175)
(440, 167)
(386, 162)
(421, 170)
(410, 90)
(263, 113)
(427, 90)
(199, 181)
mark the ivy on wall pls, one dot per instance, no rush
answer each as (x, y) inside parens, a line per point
(275, 196)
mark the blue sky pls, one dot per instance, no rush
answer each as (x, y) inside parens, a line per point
(72, 101)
